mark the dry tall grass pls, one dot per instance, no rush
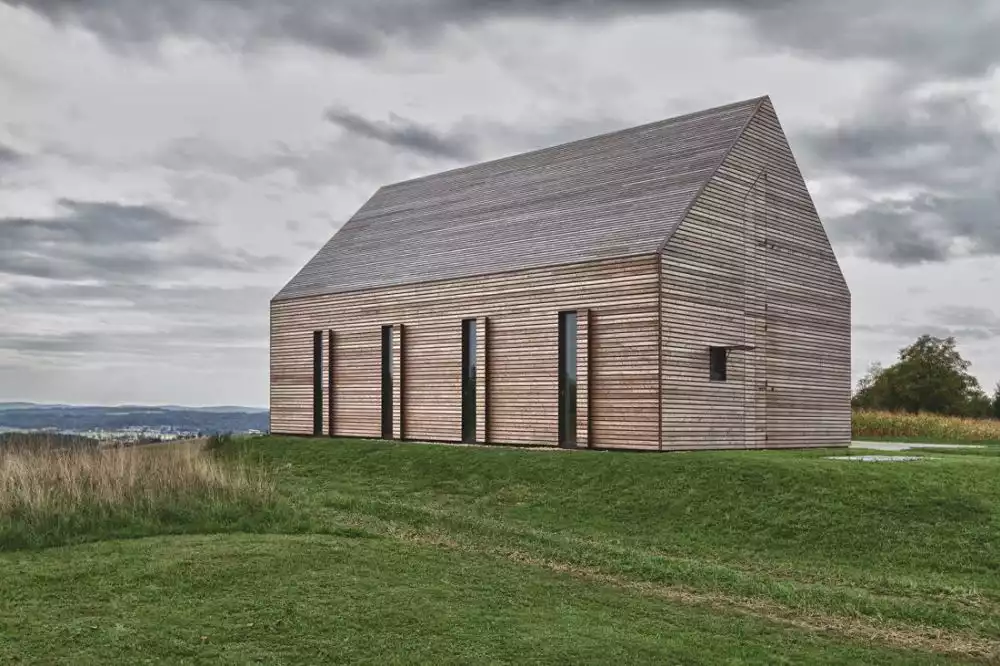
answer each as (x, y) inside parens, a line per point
(51, 495)
(926, 427)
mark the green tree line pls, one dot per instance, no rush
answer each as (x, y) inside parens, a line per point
(930, 376)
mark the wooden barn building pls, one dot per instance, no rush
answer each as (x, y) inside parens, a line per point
(664, 287)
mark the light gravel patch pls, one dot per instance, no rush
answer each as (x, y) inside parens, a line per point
(907, 446)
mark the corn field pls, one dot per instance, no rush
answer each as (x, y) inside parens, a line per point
(927, 427)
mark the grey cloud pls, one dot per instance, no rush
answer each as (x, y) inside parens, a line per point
(9, 156)
(190, 301)
(405, 135)
(966, 315)
(355, 28)
(108, 241)
(964, 323)
(928, 37)
(97, 223)
(142, 343)
(178, 329)
(928, 229)
(910, 332)
(900, 139)
(940, 149)
(925, 35)
(408, 149)
(202, 165)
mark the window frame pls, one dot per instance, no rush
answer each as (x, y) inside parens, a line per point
(317, 383)
(469, 379)
(386, 371)
(330, 382)
(718, 364)
(568, 358)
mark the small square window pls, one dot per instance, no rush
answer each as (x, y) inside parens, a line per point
(717, 364)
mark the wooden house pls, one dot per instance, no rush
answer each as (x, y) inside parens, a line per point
(664, 287)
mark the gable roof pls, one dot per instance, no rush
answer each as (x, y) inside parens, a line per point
(614, 195)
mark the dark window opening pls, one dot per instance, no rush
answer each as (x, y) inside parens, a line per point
(387, 382)
(468, 380)
(329, 382)
(717, 357)
(567, 379)
(317, 382)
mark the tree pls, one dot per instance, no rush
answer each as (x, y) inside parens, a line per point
(979, 406)
(996, 402)
(930, 376)
(871, 389)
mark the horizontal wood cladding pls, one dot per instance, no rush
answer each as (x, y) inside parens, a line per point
(583, 379)
(751, 265)
(434, 380)
(517, 316)
(482, 379)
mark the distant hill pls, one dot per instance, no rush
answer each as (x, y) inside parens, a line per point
(28, 416)
(217, 408)
(44, 440)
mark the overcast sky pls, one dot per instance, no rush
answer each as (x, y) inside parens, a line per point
(165, 167)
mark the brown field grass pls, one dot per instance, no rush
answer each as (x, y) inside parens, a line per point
(48, 495)
(925, 427)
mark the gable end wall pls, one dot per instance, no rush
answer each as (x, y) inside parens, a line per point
(751, 265)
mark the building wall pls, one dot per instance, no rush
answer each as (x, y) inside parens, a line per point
(520, 330)
(751, 265)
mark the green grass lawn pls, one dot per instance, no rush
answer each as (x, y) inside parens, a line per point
(401, 553)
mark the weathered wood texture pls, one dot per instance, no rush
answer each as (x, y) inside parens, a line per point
(520, 346)
(398, 379)
(482, 379)
(583, 378)
(613, 195)
(329, 383)
(751, 265)
(325, 381)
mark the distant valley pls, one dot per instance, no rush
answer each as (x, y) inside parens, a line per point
(131, 421)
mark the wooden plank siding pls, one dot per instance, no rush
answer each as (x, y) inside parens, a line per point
(482, 379)
(751, 265)
(583, 379)
(518, 354)
(398, 382)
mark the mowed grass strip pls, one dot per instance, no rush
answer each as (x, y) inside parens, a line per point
(915, 544)
(319, 599)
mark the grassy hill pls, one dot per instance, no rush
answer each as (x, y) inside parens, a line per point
(386, 553)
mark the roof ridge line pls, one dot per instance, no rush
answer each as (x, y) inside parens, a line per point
(701, 190)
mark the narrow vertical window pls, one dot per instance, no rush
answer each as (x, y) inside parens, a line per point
(567, 379)
(717, 364)
(387, 382)
(468, 380)
(317, 382)
(329, 382)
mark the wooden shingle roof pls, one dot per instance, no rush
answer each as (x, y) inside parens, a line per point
(615, 195)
